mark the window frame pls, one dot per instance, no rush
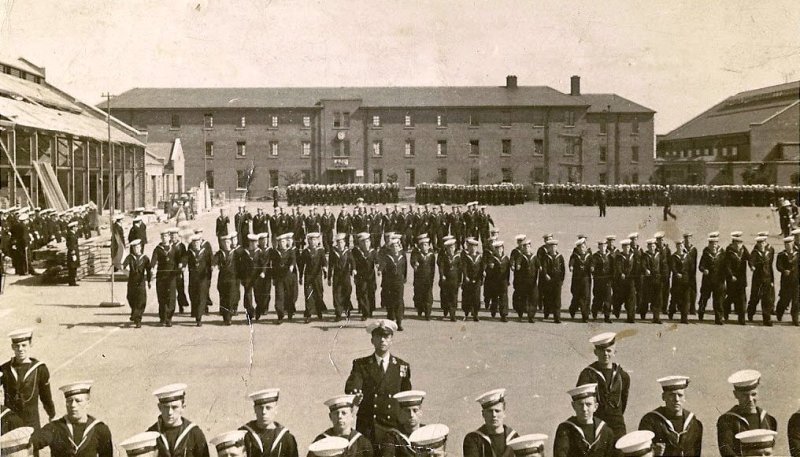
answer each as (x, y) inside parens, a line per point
(241, 149)
(441, 148)
(409, 148)
(273, 150)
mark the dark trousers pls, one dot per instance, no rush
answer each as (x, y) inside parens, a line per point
(248, 298)
(602, 211)
(312, 292)
(198, 294)
(365, 296)
(625, 295)
(471, 299)
(551, 298)
(165, 291)
(680, 299)
(581, 289)
(180, 285)
(137, 300)
(651, 298)
(523, 300)
(714, 289)
(392, 299)
(789, 298)
(668, 212)
(448, 297)
(342, 293)
(285, 295)
(764, 292)
(262, 293)
(72, 275)
(498, 299)
(735, 296)
(229, 295)
(601, 299)
(423, 297)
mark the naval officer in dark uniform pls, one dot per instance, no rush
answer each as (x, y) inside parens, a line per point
(376, 378)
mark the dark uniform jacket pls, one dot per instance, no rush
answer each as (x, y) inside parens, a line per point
(165, 259)
(396, 444)
(276, 442)
(683, 441)
(793, 430)
(138, 232)
(612, 393)
(311, 262)
(736, 266)
(360, 446)
(788, 267)
(9, 420)
(24, 388)
(449, 269)
(761, 263)
(498, 271)
(73, 253)
(713, 260)
(245, 265)
(734, 421)
(222, 226)
(424, 266)
(473, 268)
(479, 443)
(378, 388)
(570, 440)
(60, 437)
(364, 264)
(189, 441)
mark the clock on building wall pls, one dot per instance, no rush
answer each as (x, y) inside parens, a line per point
(340, 135)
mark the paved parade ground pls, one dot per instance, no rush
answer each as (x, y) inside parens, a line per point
(453, 361)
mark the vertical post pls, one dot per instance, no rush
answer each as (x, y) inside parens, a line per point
(35, 157)
(205, 167)
(112, 193)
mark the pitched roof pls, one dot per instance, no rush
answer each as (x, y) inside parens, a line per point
(599, 103)
(21, 64)
(162, 151)
(735, 114)
(305, 97)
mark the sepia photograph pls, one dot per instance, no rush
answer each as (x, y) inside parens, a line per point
(372, 228)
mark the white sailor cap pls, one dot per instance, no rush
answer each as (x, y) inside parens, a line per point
(232, 236)
(497, 244)
(625, 242)
(547, 236)
(601, 242)
(636, 443)
(756, 439)
(330, 446)
(227, 440)
(651, 241)
(170, 393)
(670, 383)
(713, 234)
(313, 235)
(452, 242)
(197, 231)
(137, 219)
(423, 240)
(118, 217)
(745, 380)
(140, 209)
(521, 237)
(633, 235)
(786, 203)
(603, 340)
(491, 398)
(658, 235)
(432, 436)
(340, 401)
(795, 231)
(760, 239)
(583, 391)
(341, 236)
(286, 236)
(265, 396)
(763, 233)
(552, 242)
(72, 224)
(135, 242)
(580, 241)
(16, 443)
(532, 444)
(494, 230)
(472, 204)
(263, 235)
(252, 237)
(173, 230)
(713, 238)
(362, 236)
(611, 237)
(472, 242)
(195, 238)
(23, 217)
(385, 326)
(788, 239)
(23, 334)
(408, 398)
(687, 234)
(736, 235)
(448, 237)
(421, 236)
(76, 388)
(141, 443)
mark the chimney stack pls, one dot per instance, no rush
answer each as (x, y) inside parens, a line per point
(511, 82)
(575, 85)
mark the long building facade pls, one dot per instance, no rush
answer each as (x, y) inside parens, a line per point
(752, 137)
(258, 138)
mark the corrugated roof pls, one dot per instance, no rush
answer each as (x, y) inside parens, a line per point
(735, 114)
(43, 118)
(297, 97)
(598, 103)
(40, 93)
(20, 64)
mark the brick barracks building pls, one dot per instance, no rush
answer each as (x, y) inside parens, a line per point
(752, 137)
(460, 135)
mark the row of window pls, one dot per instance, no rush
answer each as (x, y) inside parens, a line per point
(603, 153)
(410, 149)
(731, 152)
(341, 119)
(241, 149)
(20, 74)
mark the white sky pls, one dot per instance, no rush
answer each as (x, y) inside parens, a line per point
(676, 57)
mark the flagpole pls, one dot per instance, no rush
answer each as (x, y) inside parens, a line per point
(112, 199)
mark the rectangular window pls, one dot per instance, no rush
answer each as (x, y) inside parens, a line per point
(473, 120)
(602, 178)
(715, 152)
(274, 178)
(210, 179)
(441, 148)
(705, 152)
(241, 179)
(376, 121)
(408, 122)
(241, 149)
(603, 126)
(377, 148)
(242, 122)
(569, 147)
(508, 175)
(175, 122)
(441, 120)
(538, 147)
(343, 150)
(506, 121)
(346, 119)
(411, 178)
(538, 174)
(208, 121)
(409, 151)
(635, 153)
(569, 118)
(273, 121)
(734, 151)
(635, 178)
(603, 153)
(538, 119)
(377, 175)
(306, 176)
(210, 149)
(635, 125)
(273, 149)
(337, 119)
(441, 177)
(306, 148)
(506, 147)
(474, 148)
(306, 121)
(474, 176)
